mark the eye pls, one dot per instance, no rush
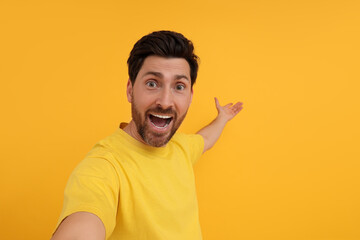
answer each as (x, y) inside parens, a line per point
(180, 87)
(151, 84)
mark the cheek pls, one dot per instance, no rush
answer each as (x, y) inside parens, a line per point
(183, 105)
(142, 101)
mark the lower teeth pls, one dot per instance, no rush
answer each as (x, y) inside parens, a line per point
(160, 127)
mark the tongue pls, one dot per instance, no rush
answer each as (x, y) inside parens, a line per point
(159, 122)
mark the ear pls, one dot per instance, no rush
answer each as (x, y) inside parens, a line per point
(191, 96)
(129, 90)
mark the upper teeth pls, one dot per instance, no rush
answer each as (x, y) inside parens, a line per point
(160, 116)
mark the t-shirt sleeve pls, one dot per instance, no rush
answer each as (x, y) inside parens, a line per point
(93, 187)
(196, 146)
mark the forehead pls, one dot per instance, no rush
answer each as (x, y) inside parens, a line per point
(166, 66)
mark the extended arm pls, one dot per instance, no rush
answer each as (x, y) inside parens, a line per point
(80, 225)
(212, 132)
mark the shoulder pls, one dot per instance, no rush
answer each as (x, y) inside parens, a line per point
(191, 144)
(106, 149)
(187, 139)
(98, 162)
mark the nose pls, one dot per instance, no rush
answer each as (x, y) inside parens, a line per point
(165, 99)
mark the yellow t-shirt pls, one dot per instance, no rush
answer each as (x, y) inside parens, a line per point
(139, 191)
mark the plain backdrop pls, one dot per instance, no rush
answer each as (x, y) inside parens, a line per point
(287, 167)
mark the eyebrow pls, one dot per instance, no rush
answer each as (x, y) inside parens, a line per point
(160, 75)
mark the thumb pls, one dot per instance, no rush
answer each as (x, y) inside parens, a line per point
(217, 104)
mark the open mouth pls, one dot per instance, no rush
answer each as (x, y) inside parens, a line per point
(160, 121)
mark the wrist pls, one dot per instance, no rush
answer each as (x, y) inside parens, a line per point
(222, 119)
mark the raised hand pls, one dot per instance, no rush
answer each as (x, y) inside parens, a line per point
(212, 132)
(228, 111)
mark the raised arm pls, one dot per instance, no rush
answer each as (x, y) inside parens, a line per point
(212, 132)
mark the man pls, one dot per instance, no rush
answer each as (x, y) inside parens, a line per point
(138, 183)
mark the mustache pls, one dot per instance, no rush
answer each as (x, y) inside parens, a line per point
(160, 110)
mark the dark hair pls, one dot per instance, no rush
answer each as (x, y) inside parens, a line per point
(164, 44)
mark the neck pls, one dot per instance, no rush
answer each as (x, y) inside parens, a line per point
(132, 131)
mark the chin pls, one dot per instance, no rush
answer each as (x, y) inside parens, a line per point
(158, 141)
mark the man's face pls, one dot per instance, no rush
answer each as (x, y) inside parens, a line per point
(160, 98)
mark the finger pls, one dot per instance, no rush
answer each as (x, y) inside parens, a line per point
(237, 107)
(238, 104)
(217, 103)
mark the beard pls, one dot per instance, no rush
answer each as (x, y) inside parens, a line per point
(149, 136)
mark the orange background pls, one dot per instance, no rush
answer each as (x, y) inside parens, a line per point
(286, 168)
